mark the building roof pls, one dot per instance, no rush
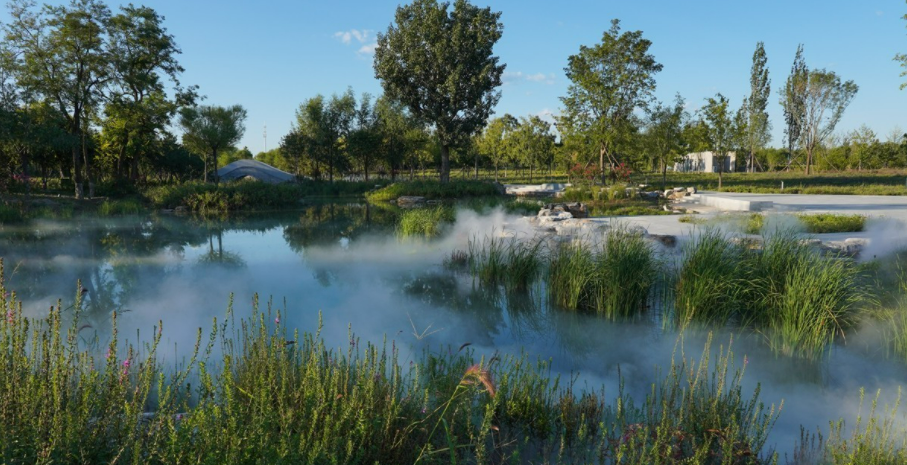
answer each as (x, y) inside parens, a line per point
(264, 172)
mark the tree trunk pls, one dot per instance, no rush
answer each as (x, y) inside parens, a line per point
(601, 163)
(809, 159)
(477, 166)
(206, 169)
(214, 162)
(77, 173)
(445, 164)
(366, 168)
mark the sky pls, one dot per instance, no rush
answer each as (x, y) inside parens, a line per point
(271, 55)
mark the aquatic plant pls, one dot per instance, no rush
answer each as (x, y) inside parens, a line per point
(510, 262)
(270, 396)
(426, 222)
(710, 280)
(120, 207)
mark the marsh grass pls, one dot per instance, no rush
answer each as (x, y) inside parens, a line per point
(10, 214)
(249, 392)
(710, 281)
(434, 189)
(120, 207)
(425, 222)
(506, 261)
(832, 223)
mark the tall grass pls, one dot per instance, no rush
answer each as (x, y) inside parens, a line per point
(710, 280)
(120, 207)
(426, 222)
(509, 262)
(10, 214)
(253, 393)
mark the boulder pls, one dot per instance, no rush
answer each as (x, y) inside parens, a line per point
(575, 209)
(410, 200)
(691, 190)
(181, 209)
(666, 240)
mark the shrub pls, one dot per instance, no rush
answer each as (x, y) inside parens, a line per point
(10, 215)
(432, 189)
(832, 223)
(120, 207)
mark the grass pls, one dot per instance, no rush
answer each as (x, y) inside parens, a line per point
(833, 223)
(250, 195)
(509, 262)
(425, 222)
(271, 396)
(120, 207)
(10, 214)
(710, 280)
(432, 189)
(812, 223)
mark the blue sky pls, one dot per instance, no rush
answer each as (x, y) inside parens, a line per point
(271, 55)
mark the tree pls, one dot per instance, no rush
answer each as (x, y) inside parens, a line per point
(664, 134)
(720, 135)
(609, 82)
(861, 141)
(493, 141)
(364, 138)
(440, 65)
(209, 129)
(61, 56)
(824, 102)
(758, 127)
(793, 100)
(142, 54)
(532, 142)
(394, 126)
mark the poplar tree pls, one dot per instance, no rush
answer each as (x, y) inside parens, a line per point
(758, 126)
(793, 100)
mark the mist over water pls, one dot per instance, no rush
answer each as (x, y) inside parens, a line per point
(345, 263)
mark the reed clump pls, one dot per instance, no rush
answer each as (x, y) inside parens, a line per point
(425, 222)
(506, 261)
(612, 278)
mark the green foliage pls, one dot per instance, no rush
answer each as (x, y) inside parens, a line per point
(710, 282)
(432, 189)
(425, 222)
(510, 262)
(608, 83)
(832, 223)
(249, 195)
(120, 207)
(207, 130)
(439, 64)
(10, 214)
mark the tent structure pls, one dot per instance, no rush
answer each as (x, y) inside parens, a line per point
(263, 172)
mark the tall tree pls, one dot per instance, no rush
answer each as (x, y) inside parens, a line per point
(62, 56)
(532, 142)
(825, 100)
(609, 82)
(209, 129)
(793, 100)
(364, 136)
(142, 55)
(440, 64)
(758, 126)
(860, 141)
(721, 131)
(664, 134)
(493, 141)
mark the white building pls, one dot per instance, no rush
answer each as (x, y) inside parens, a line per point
(705, 162)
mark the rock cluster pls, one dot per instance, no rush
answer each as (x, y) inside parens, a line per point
(564, 211)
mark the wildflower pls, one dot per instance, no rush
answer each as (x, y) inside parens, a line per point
(10, 317)
(745, 360)
(277, 321)
(423, 410)
(107, 355)
(126, 364)
(476, 374)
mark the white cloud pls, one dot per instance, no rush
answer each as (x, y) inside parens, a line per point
(512, 77)
(367, 49)
(361, 36)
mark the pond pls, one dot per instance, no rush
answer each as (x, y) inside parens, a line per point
(341, 264)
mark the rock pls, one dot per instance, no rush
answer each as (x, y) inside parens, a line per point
(181, 209)
(575, 209)
(651, 195)
(666, 240)
(848, 247)
(691, 190)
(668, 194)
(679, 189)
(637, 229)
(166, 210)
(410, 200)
